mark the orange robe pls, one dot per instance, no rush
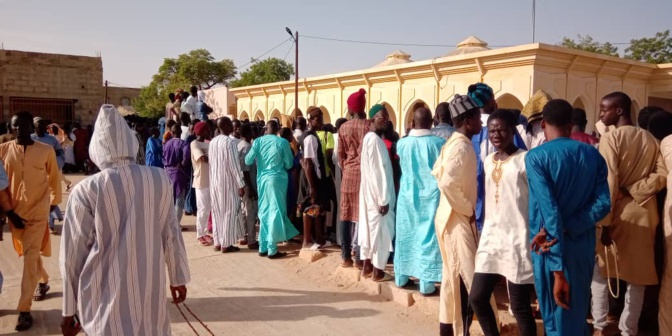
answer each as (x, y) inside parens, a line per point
(34, 185)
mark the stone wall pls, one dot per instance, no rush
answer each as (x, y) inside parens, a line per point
(39, 75)
(122, 98)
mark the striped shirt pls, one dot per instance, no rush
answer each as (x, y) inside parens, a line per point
(225, 180)
(119, 235)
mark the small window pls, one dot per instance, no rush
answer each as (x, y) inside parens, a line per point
(125, 101)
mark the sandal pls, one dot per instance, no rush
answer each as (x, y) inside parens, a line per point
(41, 292)
(204, 241)
(25, 322)
(218, 248)
(253, 246)
(231, 249)
(278, 255)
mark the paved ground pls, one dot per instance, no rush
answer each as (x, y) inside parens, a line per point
(238, 294)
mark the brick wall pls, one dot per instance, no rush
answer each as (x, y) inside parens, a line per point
(40, 75)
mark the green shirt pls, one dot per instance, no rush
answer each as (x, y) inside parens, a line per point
(327, 142)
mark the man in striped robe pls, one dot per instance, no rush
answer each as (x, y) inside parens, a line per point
(228, 187)
(119, 235)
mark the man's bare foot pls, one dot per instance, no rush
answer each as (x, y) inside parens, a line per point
(347, 263)
(379, 275)
(367, 269)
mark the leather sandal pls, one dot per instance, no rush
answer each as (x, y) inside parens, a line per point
(278, 255)
(24, 322)
(41, 292)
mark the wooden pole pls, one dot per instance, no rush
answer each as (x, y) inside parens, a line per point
(106, 98)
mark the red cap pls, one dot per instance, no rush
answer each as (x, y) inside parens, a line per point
(357, 101)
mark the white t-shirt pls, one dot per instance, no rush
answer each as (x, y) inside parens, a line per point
(185, 133)
(190, 107)
(201, 168)
(297, 134)
(310, 144)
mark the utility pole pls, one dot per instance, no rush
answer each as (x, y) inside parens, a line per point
(295, 37)
(534, 19)
(106, 98)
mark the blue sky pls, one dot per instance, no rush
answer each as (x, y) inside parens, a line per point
(135, 36)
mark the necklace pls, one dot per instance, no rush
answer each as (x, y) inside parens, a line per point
(497, 174)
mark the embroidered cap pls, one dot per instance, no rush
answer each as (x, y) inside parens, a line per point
(461, 104)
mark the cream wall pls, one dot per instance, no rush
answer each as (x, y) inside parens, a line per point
(514, 73)
(222, 101)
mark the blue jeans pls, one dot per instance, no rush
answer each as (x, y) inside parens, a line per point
(179, 206)
(53, 216)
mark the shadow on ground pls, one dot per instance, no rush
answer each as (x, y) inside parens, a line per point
(289, 305)
(45, 322)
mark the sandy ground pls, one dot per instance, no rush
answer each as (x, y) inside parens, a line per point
(238, 294)
(244, 294)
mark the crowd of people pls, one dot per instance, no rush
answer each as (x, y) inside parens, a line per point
(467, 197)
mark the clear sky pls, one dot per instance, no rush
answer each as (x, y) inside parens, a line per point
(135, 36)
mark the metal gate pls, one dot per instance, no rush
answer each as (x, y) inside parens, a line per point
(59, 111)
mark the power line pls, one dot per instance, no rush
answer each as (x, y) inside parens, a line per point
(264, 54)
(288, 50)
(415, 44)
(388, 43)
(110, 83)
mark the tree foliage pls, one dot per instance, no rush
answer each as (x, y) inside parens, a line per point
(270, 70)
(587, 43)
(657, 49)
(197, 67)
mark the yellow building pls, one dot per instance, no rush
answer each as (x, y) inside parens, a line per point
(514, 73)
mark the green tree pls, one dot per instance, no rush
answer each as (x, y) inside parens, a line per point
(270, 70)
(197, 67)
(587, 43)
(657, 49)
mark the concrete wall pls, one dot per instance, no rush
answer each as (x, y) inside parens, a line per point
(39, 75)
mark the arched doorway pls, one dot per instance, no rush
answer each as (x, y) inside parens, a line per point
(259, 116)
(296, 112)
(393, 115)
(578, 103)
(243, 115)
(409, 114)
(325, 115)
(276, 114)
(509, 101)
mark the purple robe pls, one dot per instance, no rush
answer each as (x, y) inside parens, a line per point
(177, 163)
